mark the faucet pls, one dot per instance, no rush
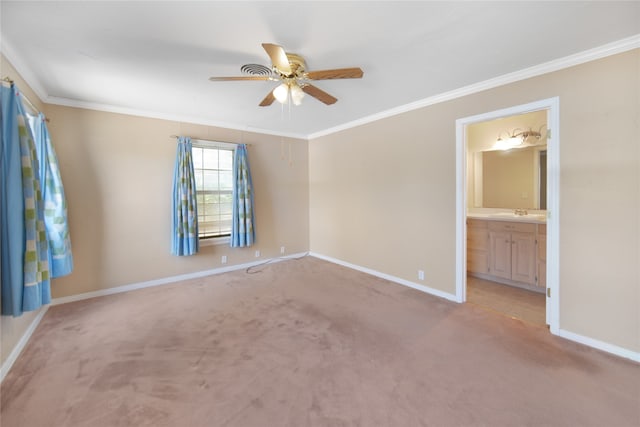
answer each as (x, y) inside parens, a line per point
(520, 212)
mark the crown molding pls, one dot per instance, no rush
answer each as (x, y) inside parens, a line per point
(66, 102)
(25, 72)
(599, 52)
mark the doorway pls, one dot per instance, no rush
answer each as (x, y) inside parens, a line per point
(551, 107)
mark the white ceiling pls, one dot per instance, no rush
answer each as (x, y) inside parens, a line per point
(154, 58)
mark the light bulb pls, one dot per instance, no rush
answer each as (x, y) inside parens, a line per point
(296, 94)
(281, 93)
(513, 141)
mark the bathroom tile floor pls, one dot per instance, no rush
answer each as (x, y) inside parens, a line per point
(510, 301)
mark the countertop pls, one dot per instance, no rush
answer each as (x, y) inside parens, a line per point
(510, 216)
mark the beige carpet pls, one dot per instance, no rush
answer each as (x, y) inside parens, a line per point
(306, 343)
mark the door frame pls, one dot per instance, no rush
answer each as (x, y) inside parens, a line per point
(552, 106)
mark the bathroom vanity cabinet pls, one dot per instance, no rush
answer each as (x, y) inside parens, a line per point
(477, 246)
(509, 252)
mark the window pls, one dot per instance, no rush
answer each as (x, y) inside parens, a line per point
(213, 168)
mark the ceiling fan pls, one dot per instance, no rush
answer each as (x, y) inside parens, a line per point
(290, 70)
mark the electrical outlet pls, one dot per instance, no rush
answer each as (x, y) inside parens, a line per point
(420, 275)
(223, 259)
(282, 249)
(257, 254)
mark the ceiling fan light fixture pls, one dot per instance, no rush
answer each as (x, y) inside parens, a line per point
(296, 94)
(281, 93)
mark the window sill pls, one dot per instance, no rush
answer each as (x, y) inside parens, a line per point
(216, 241)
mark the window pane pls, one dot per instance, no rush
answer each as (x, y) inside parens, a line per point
(196, 155)
(210, 180)
(212, 209)
(199, 179)
(226, 197)
(226, 180)
(226, 208)
(210, 158)
(226, 159)
(211, 198)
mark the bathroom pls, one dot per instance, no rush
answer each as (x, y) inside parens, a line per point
(506, 215)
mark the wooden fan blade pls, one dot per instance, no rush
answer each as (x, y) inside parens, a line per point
(340, 73)
(278, 57)
(268, 100)
(319, 94)
(233, 79)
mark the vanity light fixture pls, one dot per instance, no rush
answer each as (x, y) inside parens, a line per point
(516, 137)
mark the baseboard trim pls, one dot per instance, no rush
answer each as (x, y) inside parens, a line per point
(22, 343)
(168, 280)
(425, 289)
(600, 345)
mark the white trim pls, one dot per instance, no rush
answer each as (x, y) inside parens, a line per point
(385, 276)
(166, 116)
(553, 215)
(599, 52)
(600, 345)
(167, 280)
(22, 343)
(552, 105)
(24, 71)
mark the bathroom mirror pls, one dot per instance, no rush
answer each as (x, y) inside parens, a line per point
(506, 179)
(510, 179)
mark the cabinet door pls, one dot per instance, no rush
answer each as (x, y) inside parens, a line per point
(500, 254)
(477, 261)
(477, 238)
(523, 257)
(477, 246)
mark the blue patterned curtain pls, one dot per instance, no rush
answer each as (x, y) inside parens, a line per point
(25, 250)
(243, 232)
(55, 213)
(184, 237)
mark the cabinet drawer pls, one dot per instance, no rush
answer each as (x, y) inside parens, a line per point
(511, 226)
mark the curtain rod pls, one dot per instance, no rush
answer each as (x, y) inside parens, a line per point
(8, 80)
(234, 143)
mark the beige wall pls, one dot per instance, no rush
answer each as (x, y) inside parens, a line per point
(118, 170)
(382, 195)
(13, 328)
